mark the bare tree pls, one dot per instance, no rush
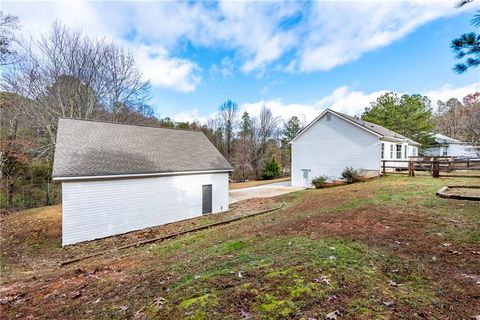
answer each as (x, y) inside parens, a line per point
(8, 24)
(67, 74)
(228, 113)
(471, 121)
(448, 118)
(242, 159)
(125, 90)
(263, 131)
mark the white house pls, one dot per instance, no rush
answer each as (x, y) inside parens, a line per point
(118, 178)
(446, 146)
(334, 140)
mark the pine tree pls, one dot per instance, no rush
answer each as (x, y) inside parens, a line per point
(290, 131)
(271, 170)
(409, 115)
(467, 45)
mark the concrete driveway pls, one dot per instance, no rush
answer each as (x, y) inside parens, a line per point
(263, 191)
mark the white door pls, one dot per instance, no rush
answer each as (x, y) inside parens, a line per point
(306, 178)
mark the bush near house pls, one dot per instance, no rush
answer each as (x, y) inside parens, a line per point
(271, 170)
(319, 181)
(352, 175)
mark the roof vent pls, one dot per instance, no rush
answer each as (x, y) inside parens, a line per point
(329, 117)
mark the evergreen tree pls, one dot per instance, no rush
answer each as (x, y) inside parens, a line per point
(291, 129)
(467, 45)
(244, 145)
(271, 170)
(409, 115)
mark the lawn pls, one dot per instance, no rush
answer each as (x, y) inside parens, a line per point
(385, 249)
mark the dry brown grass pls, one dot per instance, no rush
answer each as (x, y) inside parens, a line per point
(361, 237)
(254, 183)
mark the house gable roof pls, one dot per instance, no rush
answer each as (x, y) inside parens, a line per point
(93, 149)
(442, 139)
(373, 128)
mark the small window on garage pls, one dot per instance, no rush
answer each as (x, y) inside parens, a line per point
(383, 150)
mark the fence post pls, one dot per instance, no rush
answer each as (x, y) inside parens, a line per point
(411, 169)
(435, 169)
(383, 166)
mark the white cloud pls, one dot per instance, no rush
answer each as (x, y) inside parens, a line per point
(448, 91)
(226, 68)
(306, 113)
(300, 36)
(346, 101)
(191, 116)
(342, 32)
(112, 22)
(342, 99)
(164, 71)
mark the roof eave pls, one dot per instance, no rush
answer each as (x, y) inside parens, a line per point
(137, 175)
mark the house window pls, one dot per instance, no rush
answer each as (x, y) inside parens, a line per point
(399, 151)
(383, 150)
(414, 151)
(406, 152)
(391, 151)
(444, 152)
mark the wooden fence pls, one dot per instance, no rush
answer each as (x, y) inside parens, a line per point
(435, 165)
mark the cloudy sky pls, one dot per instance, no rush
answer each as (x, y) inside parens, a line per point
(296, 57)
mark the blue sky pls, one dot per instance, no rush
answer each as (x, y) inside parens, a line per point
(296, 57)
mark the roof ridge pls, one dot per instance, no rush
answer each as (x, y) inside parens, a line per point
(130, 124)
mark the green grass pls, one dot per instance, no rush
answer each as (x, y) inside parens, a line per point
(288, 269)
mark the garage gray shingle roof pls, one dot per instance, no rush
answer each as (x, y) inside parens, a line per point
(92, 148)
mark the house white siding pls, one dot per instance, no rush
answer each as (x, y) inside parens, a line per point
(452, 150)
(95, 209)
(328, 146)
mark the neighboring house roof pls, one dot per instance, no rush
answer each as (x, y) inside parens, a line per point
(442, 139)
(373, 128)
(91, 149)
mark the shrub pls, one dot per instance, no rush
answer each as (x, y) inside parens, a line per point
(271, 170)
(319, 181)
(351, 175)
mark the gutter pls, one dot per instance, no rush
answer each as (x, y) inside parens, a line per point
(138, 175)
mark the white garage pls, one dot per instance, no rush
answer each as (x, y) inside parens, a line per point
(118, 178)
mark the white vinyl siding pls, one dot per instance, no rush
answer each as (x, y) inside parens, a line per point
(452, 150)
(327, 147)
(95, 209)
